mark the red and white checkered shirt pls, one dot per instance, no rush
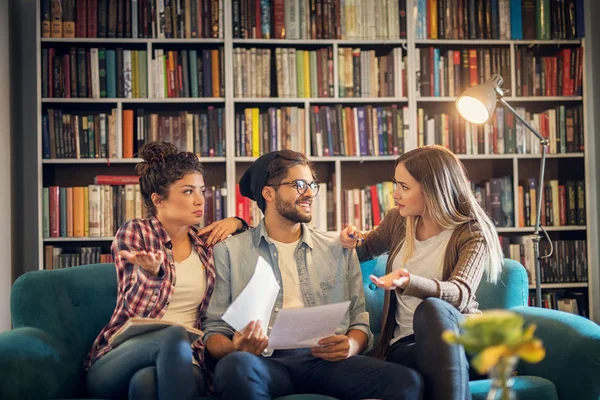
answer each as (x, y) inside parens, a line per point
(142, 295)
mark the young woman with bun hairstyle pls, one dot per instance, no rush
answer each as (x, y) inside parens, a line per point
(165, 270)
(441, 243)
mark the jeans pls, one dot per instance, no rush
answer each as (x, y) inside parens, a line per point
(155, 365)
(444, 367)
(243, 375)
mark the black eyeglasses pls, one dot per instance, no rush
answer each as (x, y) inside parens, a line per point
(301, 186)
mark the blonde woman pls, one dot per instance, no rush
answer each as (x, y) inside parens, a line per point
(440, 243)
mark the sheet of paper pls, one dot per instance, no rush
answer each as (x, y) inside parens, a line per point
(299, 328)
(256, 300)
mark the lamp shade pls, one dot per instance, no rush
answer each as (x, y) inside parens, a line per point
(478, 103)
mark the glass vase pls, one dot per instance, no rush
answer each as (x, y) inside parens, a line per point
(502, 379)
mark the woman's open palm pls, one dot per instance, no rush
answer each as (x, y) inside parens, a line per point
(148, 260)
(395, 279)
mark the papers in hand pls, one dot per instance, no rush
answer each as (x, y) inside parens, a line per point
(137, 326)
(256, 300)
(298, 328)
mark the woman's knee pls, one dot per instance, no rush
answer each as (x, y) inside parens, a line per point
(433, 312)
(143, 384)
(174, 345)
(175, 333)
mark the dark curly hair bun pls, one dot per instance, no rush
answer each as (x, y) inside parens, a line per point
(155, 154)
(162, 165)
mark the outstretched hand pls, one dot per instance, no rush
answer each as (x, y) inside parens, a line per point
(395, 279)
(149, 261)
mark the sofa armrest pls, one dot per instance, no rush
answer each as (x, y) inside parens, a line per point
(34, 365)
(572, 345)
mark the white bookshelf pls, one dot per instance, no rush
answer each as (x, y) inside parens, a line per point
(344, 167)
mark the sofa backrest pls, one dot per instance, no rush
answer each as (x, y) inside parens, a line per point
(510, 291)
(72, 304)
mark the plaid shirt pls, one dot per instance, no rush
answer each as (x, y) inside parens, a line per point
(143, 295)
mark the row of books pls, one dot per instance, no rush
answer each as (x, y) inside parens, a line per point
(562, 203)
(563, 300)
(442, 72)
(504, 134)
(120, 73)
(558, 74)
(83, 134)
(259, 131)
(319, 19)
(199, 132)
(98, 210)
(93, 73)
(495, 196)
(323, 216)
(56, 257)
(499, 19)
(364, 73)
(365, 208)
(187, 73)
(334, 130)
(132, 18)
(567, 264)
(298, 73)
(358, 131)
(79, 135)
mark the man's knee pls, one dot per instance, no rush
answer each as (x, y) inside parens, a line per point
(404, 382)
(143, 384)
(236, 364)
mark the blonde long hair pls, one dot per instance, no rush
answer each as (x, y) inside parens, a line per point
(449, 200)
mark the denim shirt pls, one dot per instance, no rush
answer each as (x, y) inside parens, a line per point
(327, 272)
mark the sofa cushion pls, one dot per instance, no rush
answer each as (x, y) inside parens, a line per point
(525, 387)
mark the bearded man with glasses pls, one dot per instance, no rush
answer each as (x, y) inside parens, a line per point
(312, 269)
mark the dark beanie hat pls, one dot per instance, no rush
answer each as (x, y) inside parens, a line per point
(256, 177)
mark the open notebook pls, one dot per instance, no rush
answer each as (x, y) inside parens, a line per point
(137, 326)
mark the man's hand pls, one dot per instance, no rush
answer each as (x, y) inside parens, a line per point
(334, 348)
(251, 339)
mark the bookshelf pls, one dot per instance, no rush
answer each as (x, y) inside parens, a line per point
(341, 173)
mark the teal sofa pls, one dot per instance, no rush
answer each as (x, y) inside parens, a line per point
(57, 314)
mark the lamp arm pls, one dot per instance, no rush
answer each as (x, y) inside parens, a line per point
(542, 139)
(536, 232)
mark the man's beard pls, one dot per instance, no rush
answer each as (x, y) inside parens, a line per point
(289, 211)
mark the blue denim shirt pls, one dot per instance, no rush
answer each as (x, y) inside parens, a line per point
(327, 272)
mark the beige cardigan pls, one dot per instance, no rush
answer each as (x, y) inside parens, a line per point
(464, 264)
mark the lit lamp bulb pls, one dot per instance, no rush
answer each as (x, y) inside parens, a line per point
(478, 103)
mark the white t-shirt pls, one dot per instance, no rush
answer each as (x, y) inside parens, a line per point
(292, 294)
(427, 261)
(188, 292)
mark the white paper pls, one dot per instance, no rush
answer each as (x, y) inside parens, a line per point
(256, 300)
(299, 328)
